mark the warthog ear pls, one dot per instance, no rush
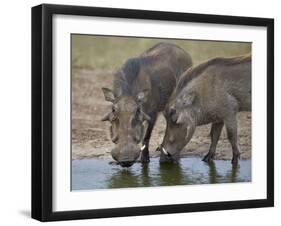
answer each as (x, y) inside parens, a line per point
(172, 110)
(108, 94)
(172, 113)
(142, 96)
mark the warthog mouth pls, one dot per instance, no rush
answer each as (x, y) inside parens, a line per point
(167, 157)
(163, 150)
(126, 163)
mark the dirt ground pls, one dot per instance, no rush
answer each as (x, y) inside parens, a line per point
(90, 136)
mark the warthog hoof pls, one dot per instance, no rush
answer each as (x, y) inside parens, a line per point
(235, 159)
(145, 159)
(209, 157)
(144, 154)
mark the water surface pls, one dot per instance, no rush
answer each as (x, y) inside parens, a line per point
(99, 174)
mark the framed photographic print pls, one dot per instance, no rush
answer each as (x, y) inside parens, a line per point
(146, 112)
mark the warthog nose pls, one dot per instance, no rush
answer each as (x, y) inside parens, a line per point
(126, 163)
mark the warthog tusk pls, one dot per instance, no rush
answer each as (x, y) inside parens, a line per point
(143, 147)
(164, 151)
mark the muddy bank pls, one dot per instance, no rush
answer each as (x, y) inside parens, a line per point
(90, 136)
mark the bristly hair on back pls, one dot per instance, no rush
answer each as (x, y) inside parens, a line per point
(195, 71)
(125, 76)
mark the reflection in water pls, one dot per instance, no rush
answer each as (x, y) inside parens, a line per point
(98, 174)
(146, 181)
(233, 174)
(230, 177)
(123, 178)
(162, 175)
(212, 173)
(171, 174)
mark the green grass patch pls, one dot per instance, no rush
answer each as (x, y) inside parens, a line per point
(109, 53)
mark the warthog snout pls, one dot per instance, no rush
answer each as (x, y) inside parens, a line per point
(126, 154)
(167, 155)
(126, 164)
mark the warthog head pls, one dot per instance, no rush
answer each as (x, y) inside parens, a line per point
(181, 117)
(128, 125)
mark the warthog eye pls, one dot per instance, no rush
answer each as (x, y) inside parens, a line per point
(113, 115)
(172, 139)
(138, 114)
(172, 111)
(114, 108)
(114, 118)
(141, 116)
(137, 118)
(173, 114)
(113, 134)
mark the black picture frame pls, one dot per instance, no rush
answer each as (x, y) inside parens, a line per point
(42, 107)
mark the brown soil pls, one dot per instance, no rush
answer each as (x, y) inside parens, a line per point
(90, 136)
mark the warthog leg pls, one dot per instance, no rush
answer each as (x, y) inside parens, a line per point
(215, 135)
(145, 151)
(231, 129)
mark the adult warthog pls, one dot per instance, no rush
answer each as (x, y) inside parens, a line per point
(141, 89)
(213, 92)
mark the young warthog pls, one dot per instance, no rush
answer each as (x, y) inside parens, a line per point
(141, 89)
(212, 92)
